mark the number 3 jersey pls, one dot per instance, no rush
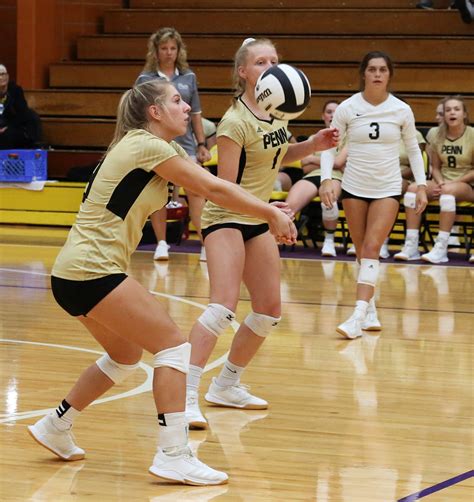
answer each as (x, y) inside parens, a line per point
(373, 135)
(264, 144)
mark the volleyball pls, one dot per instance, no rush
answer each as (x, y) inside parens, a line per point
(283, 92)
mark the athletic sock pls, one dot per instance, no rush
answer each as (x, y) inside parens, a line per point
(229, 375)
(64, 416)
(173, 432)
(194, 378)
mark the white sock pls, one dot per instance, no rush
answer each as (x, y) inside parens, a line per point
(64, 416)
(173, 432)
(329, 235)
(413, 233)
(361, 307)
(443, 236)
(229, 375)
(194, 378)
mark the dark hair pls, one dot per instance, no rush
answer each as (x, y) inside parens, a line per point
(330, 102)
(365, 63)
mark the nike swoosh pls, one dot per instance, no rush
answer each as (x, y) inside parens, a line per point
(233, 371)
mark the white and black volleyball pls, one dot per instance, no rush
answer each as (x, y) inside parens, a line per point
(283, 92)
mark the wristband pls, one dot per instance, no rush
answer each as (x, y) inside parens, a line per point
(201, 144)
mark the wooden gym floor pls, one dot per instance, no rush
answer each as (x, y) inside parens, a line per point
(384, 418)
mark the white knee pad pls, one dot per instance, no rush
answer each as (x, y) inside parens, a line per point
(261, 324)
(174, 357)
(409, 200)
(368, 272)
(117, 372)
(216, 318)
(330, 214)
(447, 203)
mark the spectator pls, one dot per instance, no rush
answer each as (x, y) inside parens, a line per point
(19, 124)
(166, 60)
(451, 157)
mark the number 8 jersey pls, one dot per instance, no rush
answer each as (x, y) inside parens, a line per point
(373, 135)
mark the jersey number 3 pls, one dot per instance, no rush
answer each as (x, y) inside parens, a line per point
(375, 134)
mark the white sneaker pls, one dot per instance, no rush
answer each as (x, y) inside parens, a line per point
(471, 259)
(352, 328)
(234, 396)
(351, 250)
(61, 443)
(202, 254)
(194, 417)
(161, 251)
(185, 468)
(173, 204)
(384, 252)
(409, 251)
(328, 248)
(439, 253)
(371, 321)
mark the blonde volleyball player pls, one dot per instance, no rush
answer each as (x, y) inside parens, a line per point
(373, 121)
(89, 276)
(452, 157)
(251, 148)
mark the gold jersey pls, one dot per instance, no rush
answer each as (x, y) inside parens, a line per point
(457, 156)
(264, 143)
(123, 191)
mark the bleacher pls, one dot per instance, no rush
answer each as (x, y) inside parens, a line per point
(432, 51)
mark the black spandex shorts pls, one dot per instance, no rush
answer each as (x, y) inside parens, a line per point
(80, 297)
(315, 180)
(248, 231)
(347, 195)
(295, 173)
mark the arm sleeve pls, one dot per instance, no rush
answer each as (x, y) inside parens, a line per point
(412, 148)
(327, 163)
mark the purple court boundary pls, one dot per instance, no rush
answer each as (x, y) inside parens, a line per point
(437, 487)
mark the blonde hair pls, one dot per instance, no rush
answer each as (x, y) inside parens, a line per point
(240, 59)
(133, 105)
(443, 128)
(160, 37)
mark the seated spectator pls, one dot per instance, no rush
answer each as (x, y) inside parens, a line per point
(301, 194)
(19, 124)
(451, 158)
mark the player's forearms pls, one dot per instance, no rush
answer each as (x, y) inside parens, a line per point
(235, 198)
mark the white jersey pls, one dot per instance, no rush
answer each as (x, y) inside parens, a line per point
(373, 138)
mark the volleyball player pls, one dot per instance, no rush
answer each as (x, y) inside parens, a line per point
(452, 157)
(373, 121)
(251, 147)
(89, 277)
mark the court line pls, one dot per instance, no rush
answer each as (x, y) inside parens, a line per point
(306, 303)
(437, 487)
(146, 386)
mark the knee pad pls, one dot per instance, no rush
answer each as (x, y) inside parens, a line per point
(117, 372)
(216, 318)
(330, 214)
(409, 200)
(174, 357)
(368, 272)
(447, 203)
(261, 324)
